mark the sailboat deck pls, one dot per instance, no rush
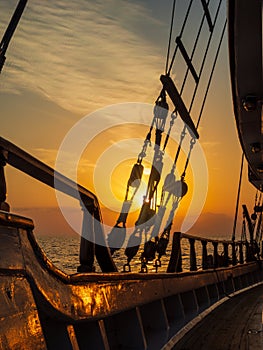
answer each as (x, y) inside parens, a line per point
(236, 324)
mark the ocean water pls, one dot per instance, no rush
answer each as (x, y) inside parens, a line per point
(64, 254)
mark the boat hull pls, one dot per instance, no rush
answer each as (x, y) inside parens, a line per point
(44, 308)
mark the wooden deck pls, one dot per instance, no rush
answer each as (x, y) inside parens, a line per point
(236, 324)
(43, 308)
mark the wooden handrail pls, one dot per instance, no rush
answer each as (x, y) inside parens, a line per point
(199, 238)
(33, 167)
(23, 161)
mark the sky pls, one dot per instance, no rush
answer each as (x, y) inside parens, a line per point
(67, 60)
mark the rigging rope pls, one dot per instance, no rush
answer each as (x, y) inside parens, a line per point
(238, 196)
(211, 75)
(151, 189)
(170, 37)
(244, 230)
(201, 69)
(208, 85)
(148, 209)
(206, 52)
(181, 33)
(183, 188)
(173, 117)
(175, 189)
(117, 235)
(193, 50)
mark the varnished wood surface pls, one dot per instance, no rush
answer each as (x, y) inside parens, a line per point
(236, 324)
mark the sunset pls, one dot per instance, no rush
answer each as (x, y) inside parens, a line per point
(131, 175)
(59, 71)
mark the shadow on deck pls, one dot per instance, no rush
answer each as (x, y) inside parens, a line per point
(236, 324)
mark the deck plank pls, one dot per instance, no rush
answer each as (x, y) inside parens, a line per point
(236, 324)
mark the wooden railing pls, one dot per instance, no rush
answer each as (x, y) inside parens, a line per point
(222, 254)
(230, 253)
(23, 161)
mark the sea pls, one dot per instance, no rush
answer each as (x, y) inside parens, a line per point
(63, 252)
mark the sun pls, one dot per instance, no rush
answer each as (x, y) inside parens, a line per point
(139, 196)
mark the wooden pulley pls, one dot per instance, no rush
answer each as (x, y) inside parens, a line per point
(149, 250)
(126, 206)
(133, 245)
(146, 214)
(156, 170)
(162, 245)
(136, 175)
(169, 183)
(180, 188)
(116, 238)
(155, 177)
(254, 216)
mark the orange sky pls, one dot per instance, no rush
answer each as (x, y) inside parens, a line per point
(59, 70)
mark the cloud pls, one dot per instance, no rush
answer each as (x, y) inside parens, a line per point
(83, 55)
(47, 156)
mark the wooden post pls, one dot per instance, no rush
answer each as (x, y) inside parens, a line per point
(215, 245)
(87, 245)
(193, 266)
(241, 255)
(226, 262)
(248, 252)
(2, 177)
(175, 262)
(204, 255)
(102, 251)
(234, 256)
(262, 249)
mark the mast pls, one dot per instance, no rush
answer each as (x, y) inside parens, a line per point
(10, 31)
(249, 222)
